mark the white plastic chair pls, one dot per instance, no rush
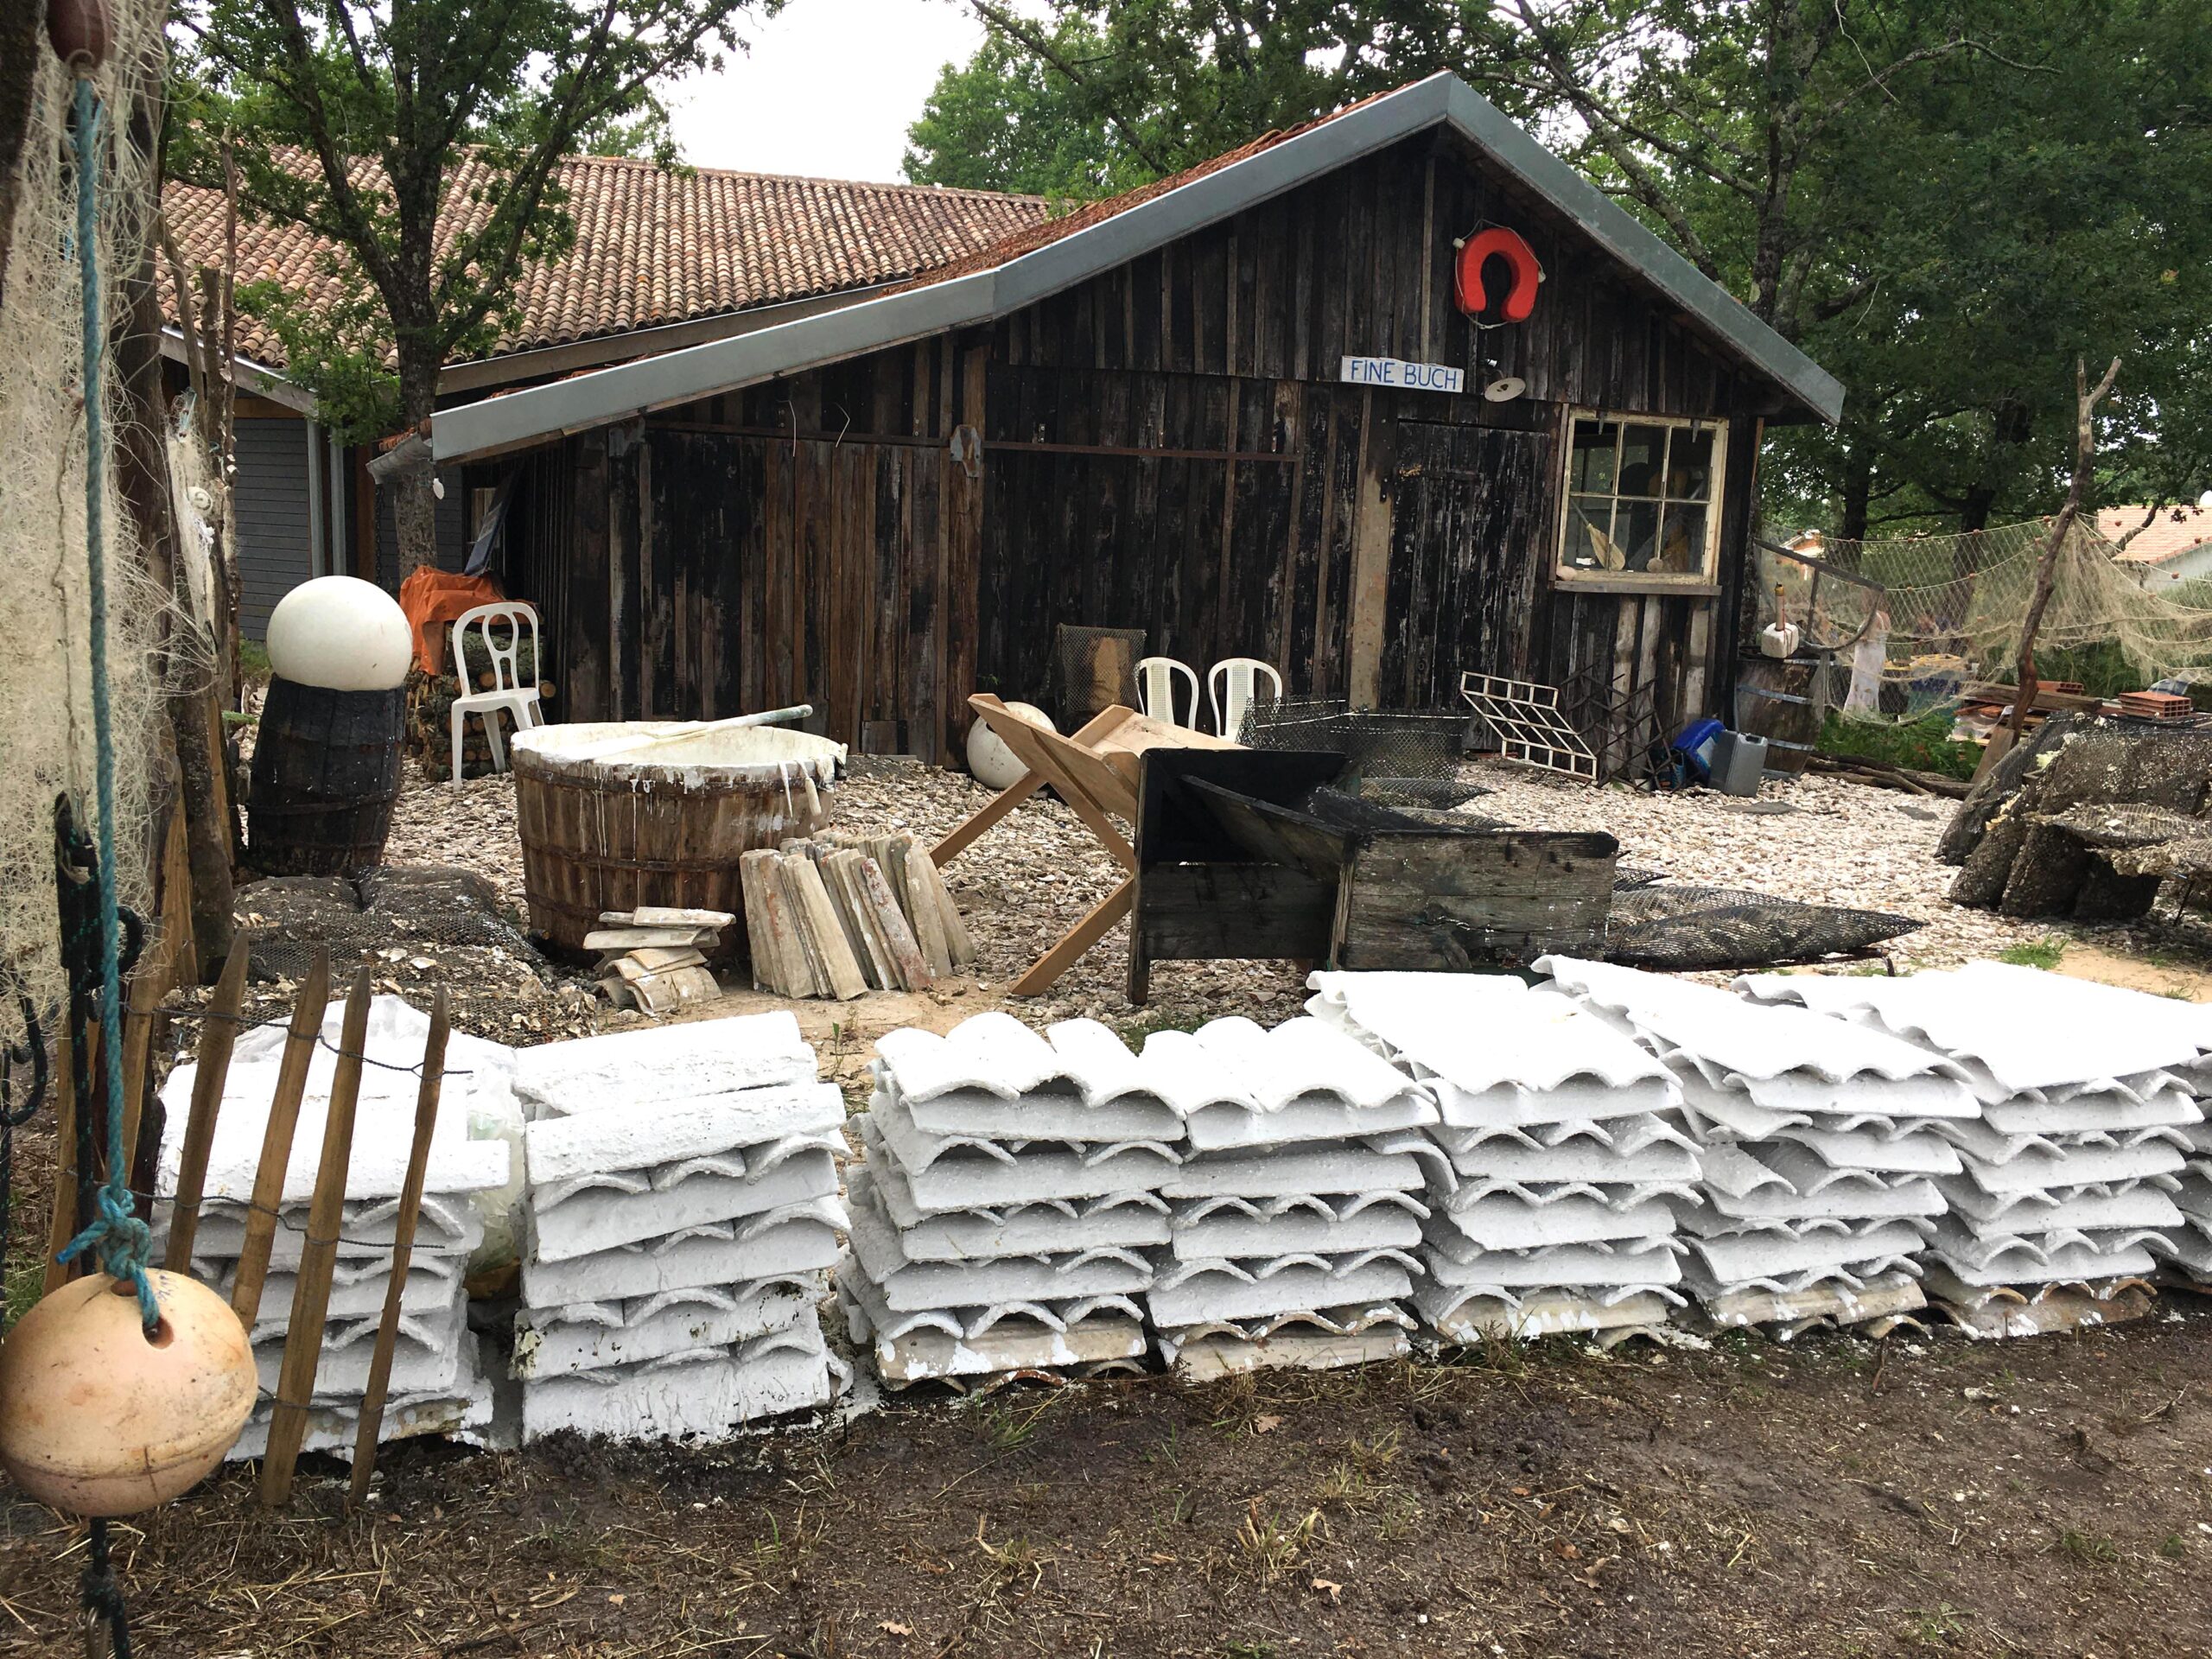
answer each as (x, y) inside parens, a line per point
(509, 693)
(1241, 675)
(1156, 689)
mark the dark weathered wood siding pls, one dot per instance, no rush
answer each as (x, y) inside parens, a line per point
(1165, 447)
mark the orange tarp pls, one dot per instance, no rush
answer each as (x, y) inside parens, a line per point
(431, 597)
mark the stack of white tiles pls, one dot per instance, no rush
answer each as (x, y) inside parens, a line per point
(681, 1213)
(438, 1383)
(2065, 1199)
(1298, 1215)
(1559, 1144)
(1819, 1143)
(1009, 1193)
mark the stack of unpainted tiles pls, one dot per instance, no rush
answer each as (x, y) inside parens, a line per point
(1820, 1147)
(682, 1210)
(1298, 1211)
(654, 958)
(837, 915)
(438, 1383)
(1558, 1147)
(2064, 1201)
(1010, 1192)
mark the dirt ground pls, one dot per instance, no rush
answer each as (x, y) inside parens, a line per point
(1837, 1497)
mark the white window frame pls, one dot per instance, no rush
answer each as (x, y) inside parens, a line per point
(1706, 577)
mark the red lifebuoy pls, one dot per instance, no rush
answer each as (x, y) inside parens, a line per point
(1467, 276)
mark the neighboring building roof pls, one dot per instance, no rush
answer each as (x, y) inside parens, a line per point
(1031, 264)
(2172, 532)
(653, 246)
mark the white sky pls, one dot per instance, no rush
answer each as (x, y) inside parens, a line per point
(828, 90)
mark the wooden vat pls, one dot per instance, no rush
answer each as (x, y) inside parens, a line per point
(610, 826)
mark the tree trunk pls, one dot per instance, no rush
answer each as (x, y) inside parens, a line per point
(415, 509)
(1858, 491)
(2086, 399)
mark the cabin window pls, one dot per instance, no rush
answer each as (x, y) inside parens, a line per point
(1643, 501)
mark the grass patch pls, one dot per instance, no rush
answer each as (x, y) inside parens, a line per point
(1922, 745)
(2089, 1549)
(2037, 953)
(253, 662)
(26, 1279)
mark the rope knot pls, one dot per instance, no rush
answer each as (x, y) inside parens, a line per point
(123, 1244)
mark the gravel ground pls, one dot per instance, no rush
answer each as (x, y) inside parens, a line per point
(1030, 877)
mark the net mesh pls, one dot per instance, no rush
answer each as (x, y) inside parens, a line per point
(1094, 668)
(1402, 749)
(1691, 928)
(46, 742)
(1949, 610)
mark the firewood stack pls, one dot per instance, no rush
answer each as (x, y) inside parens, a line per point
(654, 958)
(428, 732)
(839, 915)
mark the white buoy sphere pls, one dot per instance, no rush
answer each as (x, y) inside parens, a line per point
(97, 1420)
(341, 634)
(994, 764)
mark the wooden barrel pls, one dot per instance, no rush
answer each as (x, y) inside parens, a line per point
(326, 772)
(607, 826)
(1774, 701)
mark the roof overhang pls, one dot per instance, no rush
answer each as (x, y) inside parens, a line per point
(519, 419)
(246, 375)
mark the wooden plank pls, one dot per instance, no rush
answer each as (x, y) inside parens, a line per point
(898, 937)
(218, 1035)
(1093, 927)
(841, 968)
(403, 1251)
(288, 1419)
(1452, 903)
(928, 922)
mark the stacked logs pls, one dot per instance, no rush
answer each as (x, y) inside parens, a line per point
(428, 733)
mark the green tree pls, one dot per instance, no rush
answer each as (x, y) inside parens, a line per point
(1007, 120)
(351, 117)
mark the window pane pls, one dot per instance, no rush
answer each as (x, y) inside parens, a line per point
(1589, 539)
(1591, 471)
(1644, 453)
(1681, 543)
(1635, 528)
(1689, 466)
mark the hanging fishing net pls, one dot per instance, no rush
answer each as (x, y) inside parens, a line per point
(1690, 928)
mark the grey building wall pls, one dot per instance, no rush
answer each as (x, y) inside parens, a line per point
(270, 504)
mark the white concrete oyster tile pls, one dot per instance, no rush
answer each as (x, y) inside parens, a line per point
(596, 1219)
(2188, 1249)
(1503, 1221)
(1662, 1163)
(2035, 1167)
(2132, 1204)
(1295, 1170)
(2103, 1112)
(1304, 1061)
(979, 1115)
(914, 1287)
(1832, 1302)
(1920, 1099)
(1875, 1146)
(798, 1238)
(358, 1284)
(975, 1181)
(443, 1227)
(1226, 1127)
(627, 1070)
(1465, 1320)
(1788, 1184)
(1323, 1339)
(907, 1352)
(464, 1412)
(1208, 1228)
(1133, 1220)
(1789, 1259)
(426, 1357)
(383, 1138)
(1491, 1050)
(2030, 1310)
(1624, 1136)
(705, 1394)
(921, 1149)
(1453, 1259)
(590, 1145)
(590, 1336)
(2064, 1262)
(1204, 1293)
(994, 1052)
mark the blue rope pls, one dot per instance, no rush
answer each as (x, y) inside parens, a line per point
(116, 1235)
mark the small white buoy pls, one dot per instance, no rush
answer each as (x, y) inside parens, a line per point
(996, 766)
(341, 633)
(99, 1419)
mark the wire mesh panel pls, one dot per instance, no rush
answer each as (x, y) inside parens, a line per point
(1685, 928)
(1529, 724)
(1408, 746)
(1438, 794)
(1093, 669)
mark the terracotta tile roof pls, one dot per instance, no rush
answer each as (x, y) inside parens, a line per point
(1027, 238)
(2172, 533)
(652, 246)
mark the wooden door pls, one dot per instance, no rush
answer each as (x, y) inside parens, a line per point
(1471, 508)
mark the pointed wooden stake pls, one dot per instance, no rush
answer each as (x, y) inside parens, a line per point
(217, 1038)
(276, 1141)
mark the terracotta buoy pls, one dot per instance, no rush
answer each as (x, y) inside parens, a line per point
(98, 1419)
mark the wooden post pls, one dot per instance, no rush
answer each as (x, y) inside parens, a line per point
(288, 1424)
(276, 1141)
(2086, 399)
(403, 1251)
(217, 1038)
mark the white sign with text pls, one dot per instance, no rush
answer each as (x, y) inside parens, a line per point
(1395, 371)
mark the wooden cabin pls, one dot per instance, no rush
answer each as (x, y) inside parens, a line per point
(1272, 407)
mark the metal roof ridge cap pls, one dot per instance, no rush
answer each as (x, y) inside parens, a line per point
(620, 390)
(1519, 151)
(1328, 144)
